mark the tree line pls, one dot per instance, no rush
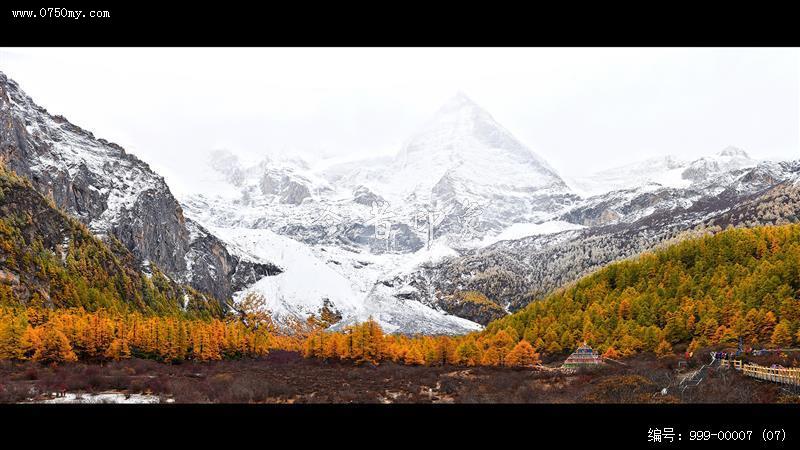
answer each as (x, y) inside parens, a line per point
(705, 291)
(63, 335)
(66, 295)
(366, 343)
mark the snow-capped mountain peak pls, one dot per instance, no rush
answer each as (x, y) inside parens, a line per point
(461, 177)
(465, 142)
(460, 101)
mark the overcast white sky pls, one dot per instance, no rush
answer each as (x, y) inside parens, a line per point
(580, 109)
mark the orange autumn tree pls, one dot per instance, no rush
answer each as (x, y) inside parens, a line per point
(362, 343)
(52, 346)
(12, 330)
(58, 335)
(414, 356)
(664, 349)
(118, 350)
(467, 352)
(522, 355)
(491, 357)
(496, 347)
(782, 335)
(366, 342)
(611, 353)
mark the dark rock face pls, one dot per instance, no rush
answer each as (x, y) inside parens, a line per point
(289, 191)
(60, 242)
(112, 192)
(398, 238)
(154, 229)
(214, 269)
(363, 196)
(294, 193)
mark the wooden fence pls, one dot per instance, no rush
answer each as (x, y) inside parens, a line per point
(785, 376)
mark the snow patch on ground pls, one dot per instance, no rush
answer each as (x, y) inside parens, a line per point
(103, 397)
(306, 281)
(348, 280)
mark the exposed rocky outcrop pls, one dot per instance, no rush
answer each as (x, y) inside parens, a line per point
(214, 268)
(288, 190)
(363, 196)
(114, 193)
(48, 258)
(294, 193)
(472, 304)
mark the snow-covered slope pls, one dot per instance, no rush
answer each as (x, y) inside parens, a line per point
(309, 280)
(352, 224)
(523, 230)
(663, 171)
(397, 238)
(319, 277)
(667, 171)
(637, 190)
(728, 160)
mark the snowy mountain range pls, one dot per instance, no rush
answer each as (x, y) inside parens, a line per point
(462, 206)
(667, 171)
(619, 224)
(461, 179)
(398, 238)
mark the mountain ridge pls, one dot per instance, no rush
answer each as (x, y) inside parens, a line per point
(364, 222)
(464, 211)
(442, 261)
(50, 259)
(113, 192)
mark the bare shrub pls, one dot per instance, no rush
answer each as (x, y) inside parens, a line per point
(76, 382)
(157, 385)
(13, 393)
(30, 373)
(622, 389)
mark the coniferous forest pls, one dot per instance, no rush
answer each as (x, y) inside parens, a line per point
(271, 250)
(86, 303)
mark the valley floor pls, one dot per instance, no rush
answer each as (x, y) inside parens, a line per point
(286, 377)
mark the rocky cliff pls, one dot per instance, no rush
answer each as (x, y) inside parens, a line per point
(115, 195)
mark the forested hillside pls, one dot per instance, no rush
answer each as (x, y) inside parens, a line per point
(740, 282)
(66, 295)
(48, 259)
(703, 291)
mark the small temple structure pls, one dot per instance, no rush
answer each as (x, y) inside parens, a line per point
(584, 356)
